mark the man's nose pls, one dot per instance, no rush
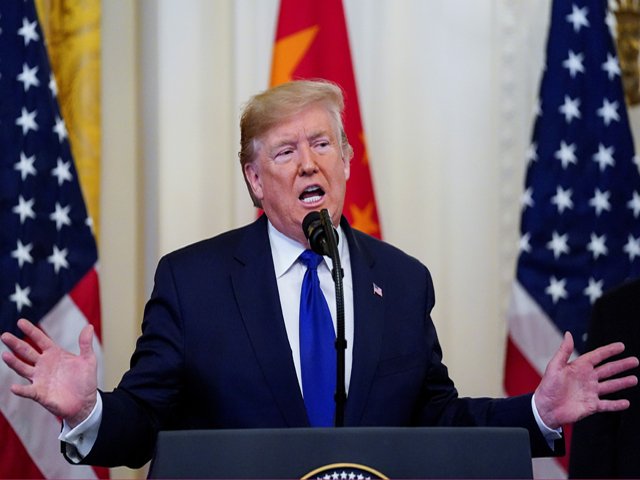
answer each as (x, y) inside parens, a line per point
(307, 160)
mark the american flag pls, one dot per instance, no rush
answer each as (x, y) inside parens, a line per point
(580, 226)
(48, 253)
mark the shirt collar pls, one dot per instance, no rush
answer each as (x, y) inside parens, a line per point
(285, 251)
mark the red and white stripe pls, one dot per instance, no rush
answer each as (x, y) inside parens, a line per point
(32, 449)
(533, 340)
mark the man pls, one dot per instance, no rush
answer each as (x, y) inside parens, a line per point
(219, 345)
(606, 445)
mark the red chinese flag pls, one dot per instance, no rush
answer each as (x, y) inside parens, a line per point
(312, 42)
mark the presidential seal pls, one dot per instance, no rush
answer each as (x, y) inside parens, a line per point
(344, 471)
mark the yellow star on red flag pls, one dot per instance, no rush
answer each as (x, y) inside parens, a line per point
(363, 218)
(288, 52)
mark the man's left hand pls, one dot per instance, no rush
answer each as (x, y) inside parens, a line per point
(571, 389)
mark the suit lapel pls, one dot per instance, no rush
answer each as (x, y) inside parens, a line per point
(256, 292)
(368, 310)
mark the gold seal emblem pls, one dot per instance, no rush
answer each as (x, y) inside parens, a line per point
(344, 471)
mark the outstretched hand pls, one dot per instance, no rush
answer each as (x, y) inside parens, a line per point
(63, 383)
(572, 390)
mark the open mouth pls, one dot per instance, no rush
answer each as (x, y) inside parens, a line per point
(312, 194)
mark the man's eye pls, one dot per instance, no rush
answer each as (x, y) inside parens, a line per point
(283, 155)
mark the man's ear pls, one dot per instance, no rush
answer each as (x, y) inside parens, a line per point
(347, 166)
(252, 176)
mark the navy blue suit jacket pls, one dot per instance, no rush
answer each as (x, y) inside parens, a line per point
(214, 352)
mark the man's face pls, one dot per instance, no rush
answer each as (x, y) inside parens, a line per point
(299, 167)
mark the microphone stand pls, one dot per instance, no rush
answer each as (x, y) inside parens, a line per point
(337, 273)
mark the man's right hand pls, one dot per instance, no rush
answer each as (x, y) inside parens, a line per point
(63, 383)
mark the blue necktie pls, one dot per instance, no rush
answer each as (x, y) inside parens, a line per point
(317, 350)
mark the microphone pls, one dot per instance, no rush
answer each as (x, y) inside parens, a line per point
(315, 231)
(316, 227)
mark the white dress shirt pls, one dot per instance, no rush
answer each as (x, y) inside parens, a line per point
(289, 274)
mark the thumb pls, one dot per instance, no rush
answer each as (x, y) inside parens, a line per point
(565, 351)
(85, 341)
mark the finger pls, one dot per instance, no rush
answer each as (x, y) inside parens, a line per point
(609, 369)
(85, 341)
(613, 405)
(7, 337)
(600, 354)
(37, 336)
(21, 368)
(20, 348)
(617, 384)
(561, 357)
(25, 391)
